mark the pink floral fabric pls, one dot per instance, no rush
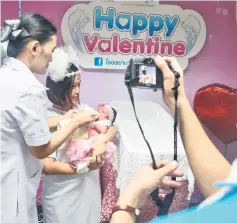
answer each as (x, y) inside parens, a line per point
(79, 151)
(149, 211)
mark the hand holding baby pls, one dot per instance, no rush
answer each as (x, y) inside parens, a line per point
(99, 148)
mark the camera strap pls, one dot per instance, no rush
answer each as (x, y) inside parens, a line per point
(164, 205)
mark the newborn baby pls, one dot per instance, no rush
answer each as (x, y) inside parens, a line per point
(80, 145)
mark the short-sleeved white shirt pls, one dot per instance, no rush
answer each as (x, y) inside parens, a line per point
(23, 123)
(74, 198)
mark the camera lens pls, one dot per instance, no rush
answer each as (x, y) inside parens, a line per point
(149, 60)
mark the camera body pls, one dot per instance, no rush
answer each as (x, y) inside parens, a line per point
(143, 73)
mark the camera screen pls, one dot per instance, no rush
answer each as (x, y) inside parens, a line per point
(147, 75)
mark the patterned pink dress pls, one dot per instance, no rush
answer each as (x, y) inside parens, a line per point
(79, 150)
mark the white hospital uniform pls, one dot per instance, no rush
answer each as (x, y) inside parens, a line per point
(72, 198)
(23, 123)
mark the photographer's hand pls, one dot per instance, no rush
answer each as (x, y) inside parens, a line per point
(147, 180)
(169, 80)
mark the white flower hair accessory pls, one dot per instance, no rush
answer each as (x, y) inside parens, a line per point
(61, 58)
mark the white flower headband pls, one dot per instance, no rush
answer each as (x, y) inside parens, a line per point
(62, 56)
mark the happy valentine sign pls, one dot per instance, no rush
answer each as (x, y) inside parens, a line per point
(108, 35)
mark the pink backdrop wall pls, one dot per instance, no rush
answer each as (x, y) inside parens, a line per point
(217, 62)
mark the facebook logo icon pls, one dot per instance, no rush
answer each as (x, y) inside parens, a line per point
(98, 61)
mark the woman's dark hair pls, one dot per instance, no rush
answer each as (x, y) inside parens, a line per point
(34, 27)
(115, 115)
(59, 90)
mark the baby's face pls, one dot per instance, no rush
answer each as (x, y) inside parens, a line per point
(103, 113)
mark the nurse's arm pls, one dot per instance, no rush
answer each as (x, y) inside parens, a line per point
(53, 120)
(52, 166)
(30, 114)
(57, 139)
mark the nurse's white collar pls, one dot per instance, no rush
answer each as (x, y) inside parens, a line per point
(16, 64)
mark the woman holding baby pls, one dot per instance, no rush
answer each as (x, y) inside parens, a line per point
(71, 193)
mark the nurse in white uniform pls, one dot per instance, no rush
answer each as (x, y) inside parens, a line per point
(67, 196)
(27, 45)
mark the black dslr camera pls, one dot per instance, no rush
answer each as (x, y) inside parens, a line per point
(143, 73)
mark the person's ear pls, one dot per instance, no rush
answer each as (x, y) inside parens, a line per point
(34, 47)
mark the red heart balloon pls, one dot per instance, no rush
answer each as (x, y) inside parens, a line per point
(216, 106)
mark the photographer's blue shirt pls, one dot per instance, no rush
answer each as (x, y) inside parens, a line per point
(219, 208)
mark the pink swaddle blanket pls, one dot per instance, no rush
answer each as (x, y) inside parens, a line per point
(80, 152)
(80, 147)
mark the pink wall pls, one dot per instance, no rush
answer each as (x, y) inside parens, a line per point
(217, 62)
